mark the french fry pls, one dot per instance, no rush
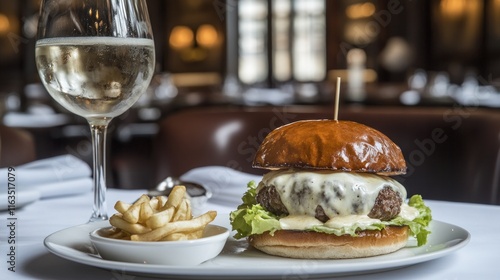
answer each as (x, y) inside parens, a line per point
(181, 212)
(121, 206)
(161, 202)
(160, 219)
(175, 237)
(189, 211)
(132, 213)
(117, 221)
(143, 198)
(146, 212)
(120, 235)
(174, 227)
(175, 197)
(183, 236)
(153, 202)
(195, 234)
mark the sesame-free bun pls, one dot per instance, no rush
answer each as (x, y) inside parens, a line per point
(316, 245)
(330, 145)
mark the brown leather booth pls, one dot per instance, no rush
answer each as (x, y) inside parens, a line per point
(452, 153)
(17, 146)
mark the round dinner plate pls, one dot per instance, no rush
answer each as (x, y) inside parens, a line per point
(238, 260)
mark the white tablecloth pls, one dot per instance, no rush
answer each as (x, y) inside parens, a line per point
(477, 260)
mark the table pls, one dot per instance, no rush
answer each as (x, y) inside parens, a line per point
(477, 260)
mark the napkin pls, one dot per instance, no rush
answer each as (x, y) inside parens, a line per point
(57, 176)
(55, 169)
(227, 185)
(16, 119)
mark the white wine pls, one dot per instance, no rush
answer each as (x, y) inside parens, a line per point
(95, 77)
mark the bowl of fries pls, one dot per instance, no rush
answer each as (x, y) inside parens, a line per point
(160, 230)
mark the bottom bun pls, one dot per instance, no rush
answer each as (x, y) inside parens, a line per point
(317, 245)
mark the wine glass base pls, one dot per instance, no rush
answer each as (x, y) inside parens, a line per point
(98, 218)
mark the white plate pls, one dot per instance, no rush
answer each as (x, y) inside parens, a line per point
(237, 260)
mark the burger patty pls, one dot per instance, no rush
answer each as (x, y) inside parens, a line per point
(270, 199)
(387, 204)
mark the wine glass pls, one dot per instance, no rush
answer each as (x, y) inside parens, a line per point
(95, 58)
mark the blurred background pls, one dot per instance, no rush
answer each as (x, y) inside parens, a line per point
(248, 53)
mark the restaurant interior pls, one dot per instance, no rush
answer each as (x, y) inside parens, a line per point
(426, 73)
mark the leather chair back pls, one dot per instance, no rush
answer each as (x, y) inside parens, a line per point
(17, 146)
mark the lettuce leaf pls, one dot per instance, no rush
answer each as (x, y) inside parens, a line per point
(418, 226)
(251, 218)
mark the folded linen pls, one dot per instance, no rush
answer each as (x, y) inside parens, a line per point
(227, 185)
(54, 169)
(15, 119)
(51, 177)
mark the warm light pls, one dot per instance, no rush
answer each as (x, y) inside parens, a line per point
(181, 37)
(453, 8)
(361, 10)
(4, 23)
(206, 35)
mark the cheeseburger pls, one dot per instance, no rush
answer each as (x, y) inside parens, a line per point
(328, 194)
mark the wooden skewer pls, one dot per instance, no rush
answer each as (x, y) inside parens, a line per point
(337, 95)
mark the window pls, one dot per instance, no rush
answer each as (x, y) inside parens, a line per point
(280, 41)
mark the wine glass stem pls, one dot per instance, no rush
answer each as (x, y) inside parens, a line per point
(98, 132)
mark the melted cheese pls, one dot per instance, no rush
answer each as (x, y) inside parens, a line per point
(299, 222)
(347, 221)
(302, 222)
(408, 213)
(338, 193)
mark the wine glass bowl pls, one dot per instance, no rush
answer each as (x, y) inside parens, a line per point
(95, 58)
(95, 77)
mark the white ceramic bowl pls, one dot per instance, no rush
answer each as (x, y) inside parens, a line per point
(184, 252)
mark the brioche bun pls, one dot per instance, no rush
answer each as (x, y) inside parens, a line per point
(316, 245)
(330, 145)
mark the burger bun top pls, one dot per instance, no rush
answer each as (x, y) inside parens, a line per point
(330, 145)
